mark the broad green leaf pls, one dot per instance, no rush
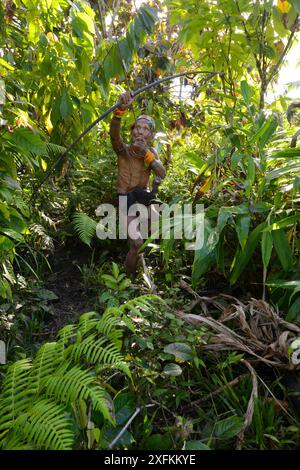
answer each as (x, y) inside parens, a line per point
(260, 207)
(6, 244)
(66, 105)
(123, 414)
(196, 445)
(283, 249)
(201, 265)
(4, 209)
(242, 258)
(179, 350)
(284, 284)
(34, 30)
(28, 140)
(12, 234)
(296, 5)
(228, 427)
(46, 294)
(205, 257)
(278, 23)
(266, 131)
(295, 291)
(113, 64)
(251, 170)
(242, 226)
(266, 248)
(223, 216)
(150, 12)
(115, 270)
(147, 19)
(172, 369)
(4, 63)
(286, 153)
(159, 442)
(246, 91)
(139, 29)
(294, 311)
(83, 26)
(205, 38)
(15, 222)
(278, 172)
(282, 223)
(126, 52)
(291, 17)
(235, 160)
(7, 167)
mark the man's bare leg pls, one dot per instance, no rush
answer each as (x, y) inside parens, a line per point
(132, 259)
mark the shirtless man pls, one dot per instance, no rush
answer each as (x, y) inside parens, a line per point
(135, 163)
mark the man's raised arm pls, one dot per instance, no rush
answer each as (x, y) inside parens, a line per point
(115, 124)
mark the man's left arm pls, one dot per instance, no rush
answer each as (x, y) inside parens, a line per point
(157, 167)
(152, 161)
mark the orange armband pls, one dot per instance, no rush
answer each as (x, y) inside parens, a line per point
(118, 112)
(149, 157)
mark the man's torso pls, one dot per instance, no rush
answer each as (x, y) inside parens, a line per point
(132, 172)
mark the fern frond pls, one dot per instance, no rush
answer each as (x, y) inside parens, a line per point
(149, 302)
(123, 367)
(115, 337)
(127, 322)
(87, 322)
(45, 363)
(16, 442)
(46, 426)
(77, 384)
(96, 351)
(84, 347)
(69, 385)
(112, 318)
(109, 320)
(66, 333)
(13, 400)
(107, 356)
(54, 150)
(103, 402)
(85, 227)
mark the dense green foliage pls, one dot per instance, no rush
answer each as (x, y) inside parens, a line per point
(226, 145)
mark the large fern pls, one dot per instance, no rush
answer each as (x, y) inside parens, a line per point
(38, 397)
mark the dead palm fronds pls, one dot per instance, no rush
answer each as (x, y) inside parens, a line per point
(255, 328)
